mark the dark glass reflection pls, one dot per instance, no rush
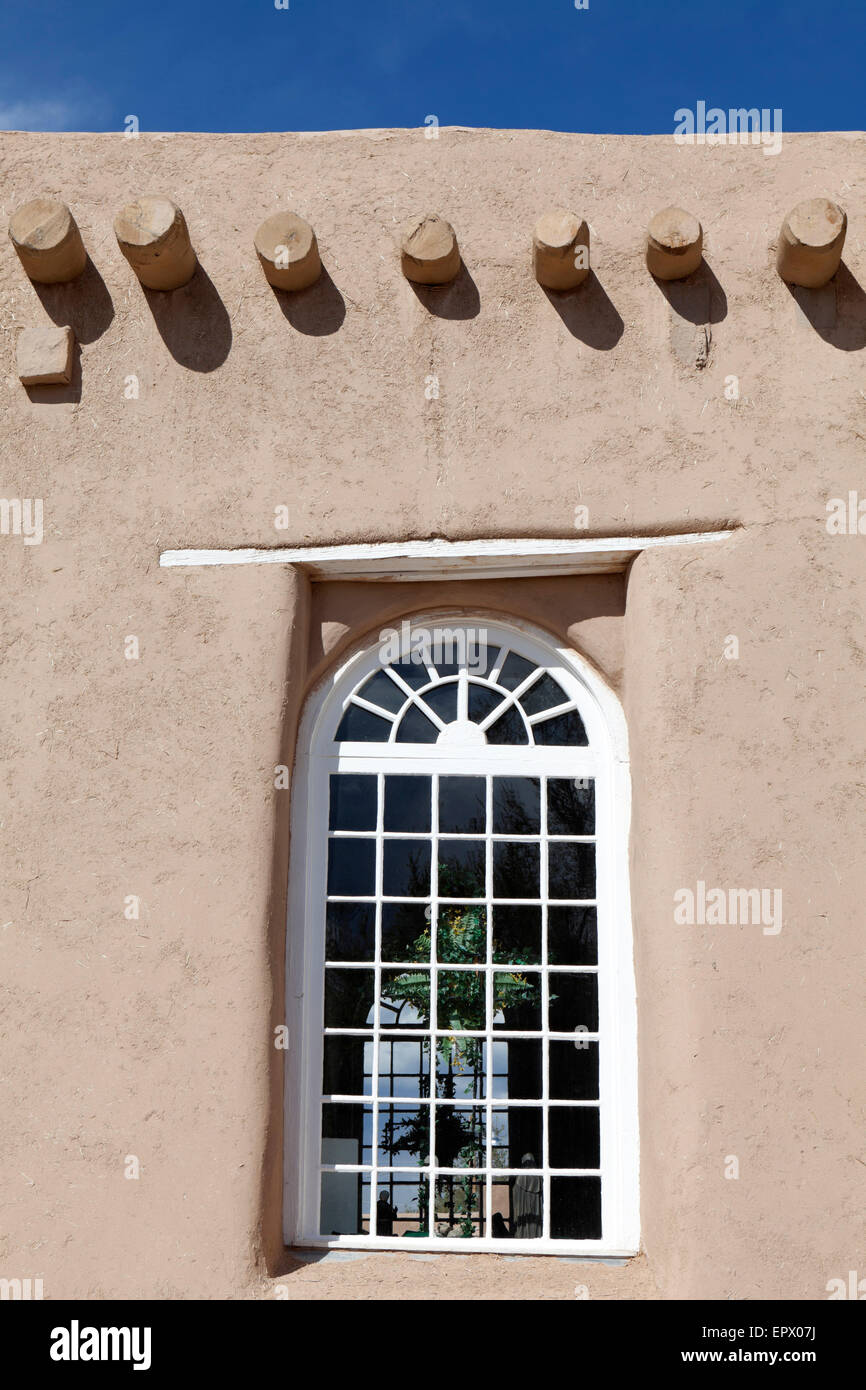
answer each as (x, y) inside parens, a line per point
(405, 932)
(516, 1131)
(517, 1069)
(381, 690)
(348, 998)
(482, 701)
(404, 1067)
(573, 1002)
(352, 801)
(405, 998)
(461, 1000)
(443, 701)
(404, 1135)
(516, 934)
(461, 935)
(575, 1208)
(509, 728)
(407, 803)
(347, 1066)
(516, 806)
(462, 868)
(406, 868)
(574, 1070)
(461, 1136)
(414, 673)
(360, 726)
(570, 870)
(515, 869)
(462, 805)
(545, 693)
(350, 931)
(400, 1203)
(570, 806)
(527, 1199)
(517, 1000)
(459, 1207)
(515, 671)
(345, 1204)
(572, 936)
(415, 727)
(563, 729)
(352, 868)
(461, 1067)
(574, 1136)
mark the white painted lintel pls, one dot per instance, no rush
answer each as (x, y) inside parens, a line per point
(441, 559)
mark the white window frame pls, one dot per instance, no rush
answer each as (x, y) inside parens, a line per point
(606, 760)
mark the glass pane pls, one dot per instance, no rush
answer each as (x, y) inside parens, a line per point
(350, 932)
(381, 690)
(360, 726)
(406, 868)
(443, 701)
(461, 1132)
(461, 1067)
(482, 701)
(517, 1136)
(462, 868)
(571, 870)
(570, 806)
(479, 657)
(575, 1208)
(461, 1000)
(407, 803)
(574, 1137)
(459, 1208)
(517, 1069)
(344, 1129)
(405, 999)
(462, 805)
(563, 729)
(347, 1067)
(400, 1204)
(345, 1204)
(516, 806)
(413, 672)
(572, 936)
(545, 693)
(515, 869)
(527, 1200)
(516, 934)
(573, 1003)
(515, 671)
(348, 998)
(574, 1070)
(415, 727)
(352, 868)
(517, 1000)
(404, 1067)
(404, 1135)
(509, 728)
(352, 801)
(461, 937)
(405, 932)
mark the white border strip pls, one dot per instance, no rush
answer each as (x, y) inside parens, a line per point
(416, 560)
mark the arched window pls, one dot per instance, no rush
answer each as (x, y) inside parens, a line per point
(460, 935)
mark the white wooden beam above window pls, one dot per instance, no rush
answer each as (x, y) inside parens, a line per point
(441, 559)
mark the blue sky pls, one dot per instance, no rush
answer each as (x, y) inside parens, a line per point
(243, 65)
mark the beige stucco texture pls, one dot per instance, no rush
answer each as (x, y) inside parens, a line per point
(376, 409)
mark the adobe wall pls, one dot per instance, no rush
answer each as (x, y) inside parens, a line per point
(155, 777)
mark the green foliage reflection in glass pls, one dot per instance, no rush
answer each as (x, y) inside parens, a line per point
(461, 939)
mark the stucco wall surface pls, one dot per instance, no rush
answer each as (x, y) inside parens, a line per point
(154, 777)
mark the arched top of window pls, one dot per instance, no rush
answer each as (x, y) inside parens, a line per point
(460, 685)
